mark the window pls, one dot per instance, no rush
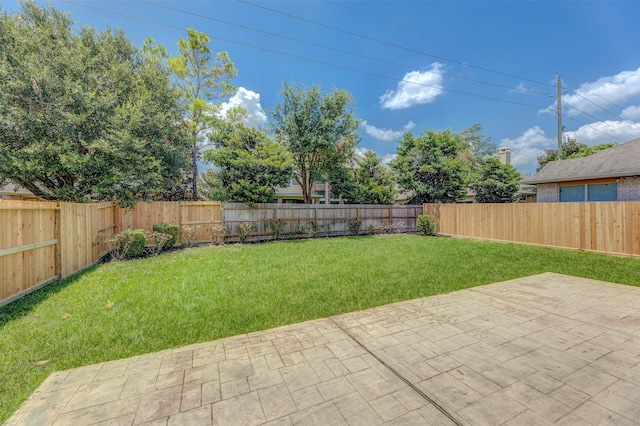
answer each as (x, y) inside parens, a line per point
(590, 192)
(571, 193)
(603, 192)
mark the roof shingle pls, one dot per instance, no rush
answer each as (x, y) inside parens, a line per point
(620, 160)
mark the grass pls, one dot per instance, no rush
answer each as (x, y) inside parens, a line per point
(121, 309)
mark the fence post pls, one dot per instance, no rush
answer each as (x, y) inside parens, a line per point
(57, 234)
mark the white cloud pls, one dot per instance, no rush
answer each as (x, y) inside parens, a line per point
(631, 113)
(606, 131)
(386, 134)
(416, 88)
(250, 102)
(526, 148)
(602, 92)
(388, 157)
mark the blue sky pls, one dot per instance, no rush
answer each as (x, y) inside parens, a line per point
(419, 65)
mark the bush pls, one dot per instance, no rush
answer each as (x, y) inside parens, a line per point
(168, 229)
(426, 224)
(217, 234)
(189, 234)
(277, 227)
(244, 229)
(156, 241)
(128, 244)
(354, 226)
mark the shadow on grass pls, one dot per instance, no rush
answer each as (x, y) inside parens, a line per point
(28, 303)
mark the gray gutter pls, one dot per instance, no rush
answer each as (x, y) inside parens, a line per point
(534, 181)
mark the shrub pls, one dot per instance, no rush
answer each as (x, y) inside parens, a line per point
(128, 244)
(377, 229)
(156, 241)
(426, 224)
(354, 226)
(168, 229)
(217, 234)
(244, 229)
(277, 227)
(189, 234)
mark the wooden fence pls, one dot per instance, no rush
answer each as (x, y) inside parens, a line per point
(611, 227)
(320, 219)
(41, 242)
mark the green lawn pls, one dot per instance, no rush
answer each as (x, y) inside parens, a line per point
(121, 309)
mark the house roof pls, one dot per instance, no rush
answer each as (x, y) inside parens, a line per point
(618, 161)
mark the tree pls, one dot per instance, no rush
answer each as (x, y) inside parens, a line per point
(319, 130)
(201, 84)
(571, 149)
(369, 183)
(497, 183)
(84, 114)
(248, 164)
(432, 166)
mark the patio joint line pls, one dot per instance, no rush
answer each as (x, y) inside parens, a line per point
(400, 376)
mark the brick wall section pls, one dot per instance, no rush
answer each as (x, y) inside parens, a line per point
(629, 189)
(547, 193)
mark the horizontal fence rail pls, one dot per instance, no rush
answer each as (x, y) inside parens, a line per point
(300, 220)
(611, 227)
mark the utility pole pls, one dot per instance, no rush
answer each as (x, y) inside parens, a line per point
(559, 115)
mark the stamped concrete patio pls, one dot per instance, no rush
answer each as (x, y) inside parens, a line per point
(546, 349)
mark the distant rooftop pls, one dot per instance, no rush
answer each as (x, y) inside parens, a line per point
(620, 160)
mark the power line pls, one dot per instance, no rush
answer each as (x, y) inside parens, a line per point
(597, 119)
(334, 49)
(393, 45)
(417, 31)
(308, 59)
(595, 94)
(596, 129)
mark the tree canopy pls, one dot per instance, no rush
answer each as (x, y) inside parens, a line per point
(319, 130)
(203, 81)
(84, 114)
(497, 182)
(370, 182)
(248, 166)
(433, 167)
(571, 149)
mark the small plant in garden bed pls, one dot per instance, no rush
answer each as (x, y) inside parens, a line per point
(354, 226)
(277, 227)
(157, 242)
(189, 234)
(244, 229)
(128, 244)
(217, 234)
(426, 224)
(171, 230)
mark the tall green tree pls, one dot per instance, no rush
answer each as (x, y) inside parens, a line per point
(203, 81)
(497, 182)
(248, 166)
(84, 113)
(319, 130)
(370, 182)
(434, 167)
(571, 149)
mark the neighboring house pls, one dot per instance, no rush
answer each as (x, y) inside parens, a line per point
(320, 191)
(292, 194)
(609, 175)
(15, 192)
